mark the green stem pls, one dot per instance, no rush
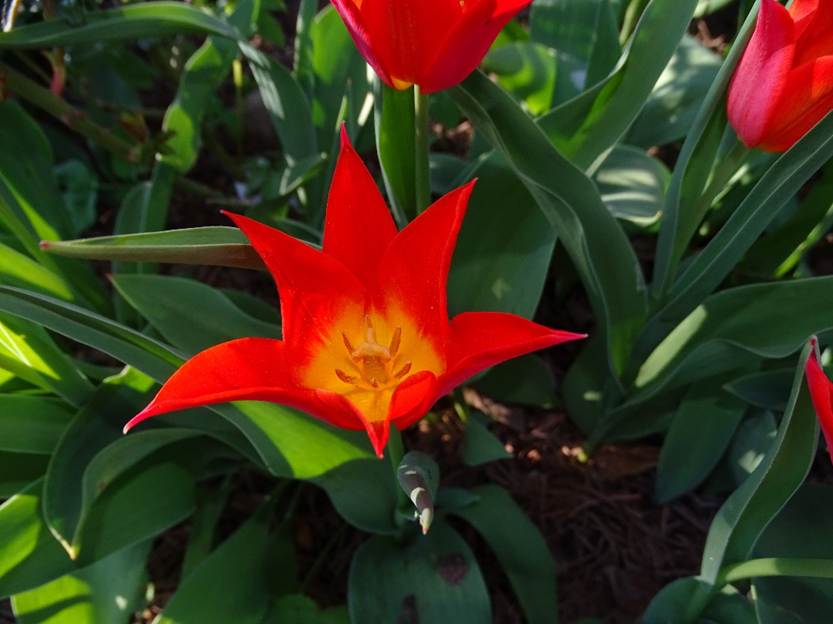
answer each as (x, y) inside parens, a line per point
(396, 451)
(75, 119)
(421, 146)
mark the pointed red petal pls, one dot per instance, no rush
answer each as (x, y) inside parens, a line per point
(314, 287)
(413, 398)
(467, 43)
(808, 98)
(247, 369)
(760, 77)
(479, 340)
(359, 226)
(813, 29)
(414, 268)
(820, 391)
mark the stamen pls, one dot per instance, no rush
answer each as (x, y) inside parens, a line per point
(345, 377)
(395, 341)
(371, 331)
(347, 344)
(403, 371)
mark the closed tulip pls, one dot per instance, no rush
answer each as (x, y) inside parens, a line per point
(784, 83)
(434, 44)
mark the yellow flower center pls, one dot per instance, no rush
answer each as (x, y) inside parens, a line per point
(374, 365)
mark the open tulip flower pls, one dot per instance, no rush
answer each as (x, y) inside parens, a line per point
(431, 43)
(784, 83)
(821, 391)
(366, 336)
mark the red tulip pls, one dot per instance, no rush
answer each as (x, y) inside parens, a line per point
(821, 391)
(784, 83)
(366, 336)
(431, 43)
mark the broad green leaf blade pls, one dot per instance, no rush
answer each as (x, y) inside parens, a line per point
(18, 470)
(481, 446)
(17, 269)
(585, 128)
(632, 185)
(168, 303)
(743, 517)
(107, 591)
(527, 380)
(519, 547)
(723, 252)
(31, 424)
(693, 168)
(210, 245)
(95, 426)
(502, 256)
(235, 582)
(31, 354)
(147, 19)
(802, 529)
(700, 433)
(527, 70)
(299, 609)
(595, 241)
(679, 94)
(430, 578)
(79, 187)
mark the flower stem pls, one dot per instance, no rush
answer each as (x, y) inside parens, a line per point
(396, 451)
(421, 147)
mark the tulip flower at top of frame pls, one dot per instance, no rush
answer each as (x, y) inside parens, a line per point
(821, 391)
(366, 336)
(434, 44)
(784, 83)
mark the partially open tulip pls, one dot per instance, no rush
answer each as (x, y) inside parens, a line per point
(784, 83)
(366, 336)
(821, 391)
(431, 43)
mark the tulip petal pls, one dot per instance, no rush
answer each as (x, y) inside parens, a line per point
(414, 268)
(413, 398)
(247, 369)
(813, 29)
(359, 226)
(760, 77)
(315, 288)
(352, 18)
(464, 47)
(479, 340)
(807, 99)
(820, 391)
(404, 30)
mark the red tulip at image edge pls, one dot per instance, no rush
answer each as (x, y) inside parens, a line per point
(434, 44)
(821, 391)
(366, 336)
(783, 85)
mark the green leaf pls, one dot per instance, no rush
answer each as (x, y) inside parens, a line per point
(747, 512)
(586, 127)
(30, 557)
(168, 303)
(672, 107)
(298, 609)
(17, 470)
(79, 187)
(632, 185)
(107, 591)
(288, 107)
(430, 578)
(481, 446)
(30, 424)
(802, 529)
(519, 547)
(395, 145)
(781, 181)
(526, 70)
(767, 389)
(234, 583)
(17, 269)
(502, 256)
(527, 380)
(419, 477)
(700, 433)
(210, 245)
(595, 241)
(30, 353)
(148, 19)
(95, 426)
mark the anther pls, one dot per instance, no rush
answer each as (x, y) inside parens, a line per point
(403, 371)
(395, 341)
(347, 344)
(345, 377)
(371, 332)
